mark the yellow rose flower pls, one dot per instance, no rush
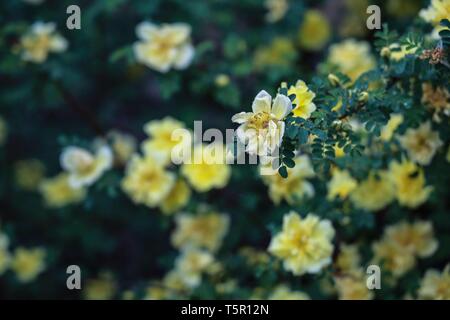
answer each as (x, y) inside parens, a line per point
(28, 263)
(58, 192)
(146, 181)
(341, 184)
(280, 53)
(295, 187)
(29, 174)
(41, 40)
(436, 100)
(203, 231)
(305, 245)
(374, 193)
(164, 47)
(192, 263)
(388, 130)
(436, 11)
(315, 31)
(352, 286)
(161, 142)
(352, 58)
(83, 167)
(102, 288)
(262, 129)
(303, 102)
(409, 182)
(393, 257)
(348, 258)
(435, 285)
(210, 171)
(177, 198)
(123, 146)
(421, 143)
(277, 10)
(283, 292)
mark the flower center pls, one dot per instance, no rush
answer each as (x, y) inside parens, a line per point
(259, 120)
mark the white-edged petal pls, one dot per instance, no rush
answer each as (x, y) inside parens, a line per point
(282, 106)
(262, 102)
(241, 117)
(145, 30)
(184, 57)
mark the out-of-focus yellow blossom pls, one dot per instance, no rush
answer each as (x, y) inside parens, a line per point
(164, 47)
(28, 263)
(352, 286)
(83, 167)
(177, 198)
(417, 237)
(305, 245)
(210, 171)
(348, 258)
(398, 52)
(3, 131)
(277, 10)
(388, 130)
(354, 23)
(352, 57)
(123, 146)
(203, 231)
(409, 182)
(374, 193)
(160, 142)
(315, 30)
(340, 185)
(402, 243)
(156, 292)
(146, 181)
(403, 8)
(254, 257)
(222, 80)
(41, 40)
(435, 285)
(102, 288)
(436, 11)
(192, 263)
(283, 292)
(303, 102)
(5, 256)
(295, 187)
(57, 191)
(262, 129)
(173, 281)
(436, 100)
(29, 174)
(226, 287)
(279, 53)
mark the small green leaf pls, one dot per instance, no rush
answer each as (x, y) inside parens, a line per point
(283, 172)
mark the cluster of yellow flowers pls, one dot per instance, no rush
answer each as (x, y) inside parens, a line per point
(402, 243)
(27, 264)
(438, 10)
(435, 285)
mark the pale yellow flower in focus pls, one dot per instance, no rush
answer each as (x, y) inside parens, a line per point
(161, 139)
(192, 263)
(203, 231)
(340, 185)
(436, 100)
(295, 187)
(123, 146)
(409, 182)
(435, 285)
(277, 10)
(29, 174)
(262, 129)
(315, 31)
(417, 238)
(164, 47)
(283, 292)
(374, 193)
(304, 244)
(83, 167)
(388, 130)
(421, 143)
(352, 58)
(177, 198)
(102, 288)
(303, 102)
(41, 40)
(210, 171)
(28, 263)
(348, 258)
(3, 131)
(352, 286)
(146, 181)
(58, 192)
